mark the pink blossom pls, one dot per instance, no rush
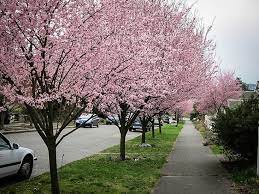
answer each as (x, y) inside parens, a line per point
(216, 94)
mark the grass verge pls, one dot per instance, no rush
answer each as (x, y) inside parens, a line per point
(105, 173)
(215, 148)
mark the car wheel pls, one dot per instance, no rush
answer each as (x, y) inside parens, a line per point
(26, 168)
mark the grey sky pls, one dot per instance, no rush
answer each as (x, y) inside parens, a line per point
(236, 31)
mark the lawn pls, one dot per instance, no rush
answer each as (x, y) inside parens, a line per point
(105, 173)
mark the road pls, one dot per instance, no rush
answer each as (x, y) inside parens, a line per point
(83, 142)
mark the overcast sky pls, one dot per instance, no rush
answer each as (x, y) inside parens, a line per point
(236, 31)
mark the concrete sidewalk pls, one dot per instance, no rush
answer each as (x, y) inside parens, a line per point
(192, 168)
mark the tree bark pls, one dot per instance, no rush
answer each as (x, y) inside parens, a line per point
(143, 139)
(160, 125)
(153, 128)
(125, 124)
(53, 169)
(177, 118)
(122, 146)
(2, 115)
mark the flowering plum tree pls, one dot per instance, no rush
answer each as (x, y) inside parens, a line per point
(216, 94)
(47, 54)
(169, 57)
(181, 108)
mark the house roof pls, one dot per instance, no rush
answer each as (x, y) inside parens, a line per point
(251, 87)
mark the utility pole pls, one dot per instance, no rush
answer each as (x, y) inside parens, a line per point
(257, 170)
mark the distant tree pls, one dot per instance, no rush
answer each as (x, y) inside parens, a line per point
(216, 94)
(244, 86)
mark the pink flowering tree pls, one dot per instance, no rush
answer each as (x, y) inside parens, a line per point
(215, 95)
(182, 108)
(168, 58)
(48, 52)
(135, 52)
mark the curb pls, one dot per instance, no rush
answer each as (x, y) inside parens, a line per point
(21, 131)
(18, 131)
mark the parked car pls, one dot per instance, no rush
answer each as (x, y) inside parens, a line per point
(173, 121)
(137, 125)
(88, 120)
(166, 119)
(156, 122)
(15, 159)
(112, 119)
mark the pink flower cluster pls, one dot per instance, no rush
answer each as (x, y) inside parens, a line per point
(2, 109)
(216, 94)
(146, 54)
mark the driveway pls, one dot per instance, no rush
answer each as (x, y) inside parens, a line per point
(83, 142)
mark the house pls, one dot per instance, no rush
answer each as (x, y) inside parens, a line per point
(251, 87)
(257, 87)
(232, 103)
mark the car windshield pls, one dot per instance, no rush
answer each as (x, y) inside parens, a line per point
(137, 120)
(3, 144)
(85, 116)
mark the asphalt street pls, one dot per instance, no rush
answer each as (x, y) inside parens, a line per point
(81, 143)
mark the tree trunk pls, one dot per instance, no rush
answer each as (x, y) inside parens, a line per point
(153, 128)
(31, 124)
(160, 125)
(122, 146)
(2, 115)
(177, 118)
(143, 139)
(53, 169)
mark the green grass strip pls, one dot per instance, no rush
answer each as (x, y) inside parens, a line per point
(216, 149)
(105, 173)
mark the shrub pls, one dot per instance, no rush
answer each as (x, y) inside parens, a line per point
(194, 115)
(199, 126)
(237, 129)
(207, 134)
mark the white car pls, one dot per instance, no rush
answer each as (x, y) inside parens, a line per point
(89, 120)
(15, 159)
